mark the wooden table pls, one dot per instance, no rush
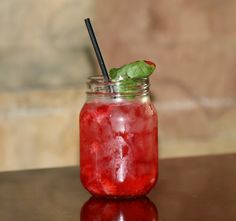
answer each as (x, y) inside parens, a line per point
(189, 189)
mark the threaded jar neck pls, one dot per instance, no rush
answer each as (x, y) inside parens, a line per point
(97, 87)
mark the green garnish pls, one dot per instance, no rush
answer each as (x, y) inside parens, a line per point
(129, 74)
(137, 69)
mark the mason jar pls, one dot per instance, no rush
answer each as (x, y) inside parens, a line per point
(118, 139)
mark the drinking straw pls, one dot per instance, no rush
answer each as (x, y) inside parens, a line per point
(97, 50)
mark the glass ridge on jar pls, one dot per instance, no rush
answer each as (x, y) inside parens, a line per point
(118, 139)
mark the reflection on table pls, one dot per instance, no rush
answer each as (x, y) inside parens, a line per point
(119, 210)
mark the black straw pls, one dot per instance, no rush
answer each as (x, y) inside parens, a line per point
(96, 49)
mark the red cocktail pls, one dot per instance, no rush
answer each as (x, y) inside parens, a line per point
(118, 146)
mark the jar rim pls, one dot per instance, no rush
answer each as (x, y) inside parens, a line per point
(100, 79)
(99, 87)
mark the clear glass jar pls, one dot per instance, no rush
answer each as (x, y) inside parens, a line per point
(118, 139)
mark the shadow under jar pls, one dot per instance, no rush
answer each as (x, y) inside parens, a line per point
(118, 139)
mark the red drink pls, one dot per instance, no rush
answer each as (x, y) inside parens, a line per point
(118, 147)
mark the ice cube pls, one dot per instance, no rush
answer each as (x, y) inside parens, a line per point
(118, 123)
(121, 158)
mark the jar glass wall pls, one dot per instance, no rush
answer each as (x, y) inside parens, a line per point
(118, 139)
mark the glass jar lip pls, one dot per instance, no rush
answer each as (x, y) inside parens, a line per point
(99, 87)
(100, 80)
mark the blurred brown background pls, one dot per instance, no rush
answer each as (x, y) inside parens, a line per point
(46, 56)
